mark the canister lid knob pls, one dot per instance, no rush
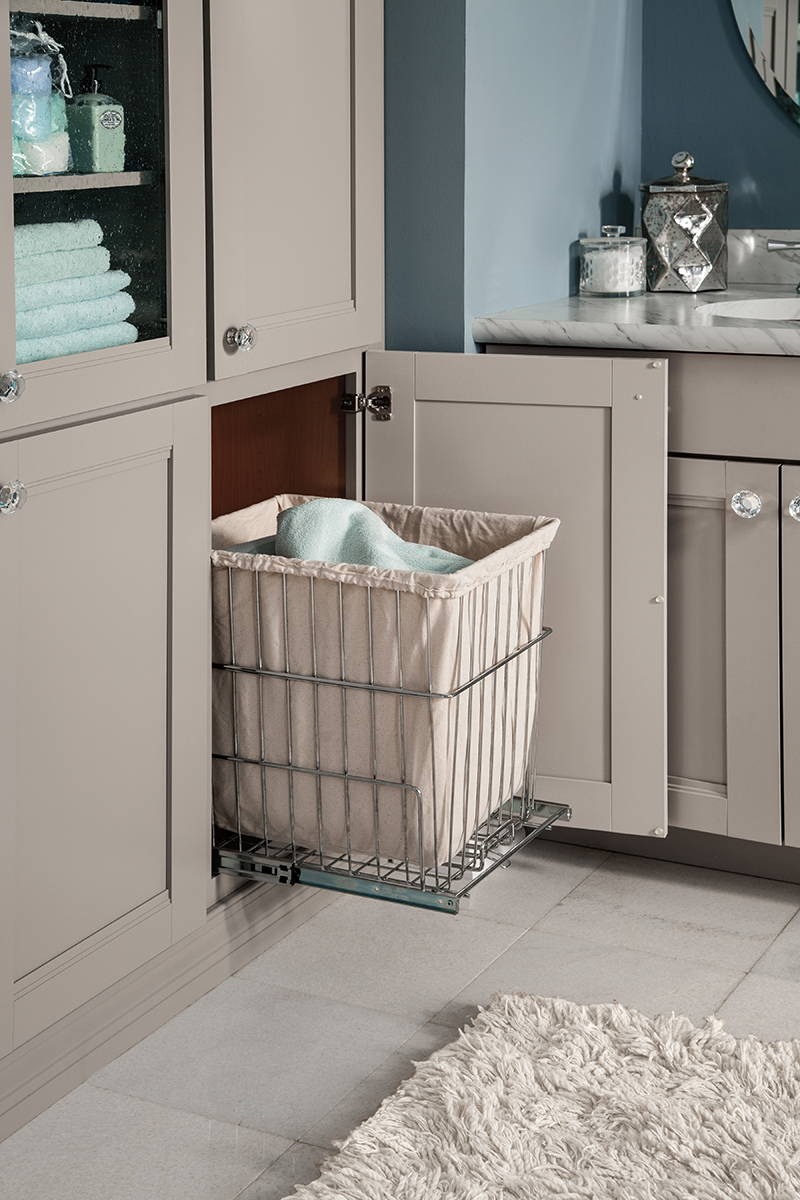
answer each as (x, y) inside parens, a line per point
(683, 162)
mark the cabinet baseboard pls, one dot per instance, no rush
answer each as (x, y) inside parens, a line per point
(59, 1058)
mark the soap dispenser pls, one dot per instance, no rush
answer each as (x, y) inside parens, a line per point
(96, 127)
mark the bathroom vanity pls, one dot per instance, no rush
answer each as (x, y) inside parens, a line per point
(733, 676)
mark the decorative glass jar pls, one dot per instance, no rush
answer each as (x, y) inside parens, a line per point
(612, 265)
(685, 221)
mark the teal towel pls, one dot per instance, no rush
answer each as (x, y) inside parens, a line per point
(36, 349)
(55, 235)
(344, 531)
(85, 314)
(61, 264)
(70, 291)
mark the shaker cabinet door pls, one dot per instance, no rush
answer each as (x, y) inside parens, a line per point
(102, 274)
(790, 629)
(724, 648)
(108, 693)
(296, 179)
(582, 439)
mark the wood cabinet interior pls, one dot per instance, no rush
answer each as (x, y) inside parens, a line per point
(288, 441)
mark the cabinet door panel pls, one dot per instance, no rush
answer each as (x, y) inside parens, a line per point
(297, 177)
(583, 440)
(499, 460)
(92, 698)
(697, 757)
(9, 532)
(105, 787)
(753, 657)
(790, 587)
(724, 660)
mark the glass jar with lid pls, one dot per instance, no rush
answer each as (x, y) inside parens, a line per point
(685, 220)
(612, 265)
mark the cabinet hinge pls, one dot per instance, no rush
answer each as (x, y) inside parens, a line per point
(378, 403)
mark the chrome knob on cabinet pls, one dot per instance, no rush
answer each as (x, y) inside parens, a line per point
(746, 504)
(243, 338)
(12, 496)
(12, 385)
(794, 508)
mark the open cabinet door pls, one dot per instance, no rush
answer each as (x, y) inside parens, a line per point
(582, 439)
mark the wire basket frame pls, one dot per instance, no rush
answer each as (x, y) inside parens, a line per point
(365, 742)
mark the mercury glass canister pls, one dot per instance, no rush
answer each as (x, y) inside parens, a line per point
(612, 265)
(685, 220)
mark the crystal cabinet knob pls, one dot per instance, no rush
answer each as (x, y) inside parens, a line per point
(12, 385)
(243, 338)
(794, 508)
(746, 504)
(12, 496)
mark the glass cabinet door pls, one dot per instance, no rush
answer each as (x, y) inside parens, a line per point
(108, 213)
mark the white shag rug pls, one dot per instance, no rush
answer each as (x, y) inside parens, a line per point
(545, 1098)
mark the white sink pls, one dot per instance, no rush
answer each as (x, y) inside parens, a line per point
(775, 308)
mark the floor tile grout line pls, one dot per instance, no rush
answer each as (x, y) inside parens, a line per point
(772, 943)
(363, 1080)
(189, 1112)
(256, 983)
(638, 950)
(762, 975)
(726, 998)
(498, 921)
(326, 1150)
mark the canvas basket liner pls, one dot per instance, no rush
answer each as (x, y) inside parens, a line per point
(466, 755)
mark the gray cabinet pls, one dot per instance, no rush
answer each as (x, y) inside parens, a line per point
(582, 439)
(734, 657)
(142, 229)
(296, 179)
(105, 925)
(105, 731)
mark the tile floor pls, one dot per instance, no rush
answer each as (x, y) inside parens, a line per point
(242, 1095)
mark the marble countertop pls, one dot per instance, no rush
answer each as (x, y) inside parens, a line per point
(669, 320)
(659, 321)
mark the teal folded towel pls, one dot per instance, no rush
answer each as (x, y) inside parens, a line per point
(344, 531)
(35, 349)
(85, 314)
(61, 264)
(70, 291)
(56, 235)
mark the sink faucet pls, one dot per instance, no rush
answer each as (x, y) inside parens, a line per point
(773, 245)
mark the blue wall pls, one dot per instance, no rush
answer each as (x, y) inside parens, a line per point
(701, 93)
(424, 97)
(553, 132)
(513, 127)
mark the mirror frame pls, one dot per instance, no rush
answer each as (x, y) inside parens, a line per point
(784, 17)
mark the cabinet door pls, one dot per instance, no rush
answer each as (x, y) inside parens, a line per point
(790, 629)
(110, 701)
(724, 651)
(297, 177)
(585, 440)
(109, 264)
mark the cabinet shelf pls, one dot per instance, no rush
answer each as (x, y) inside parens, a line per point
(84, 8)
(73, 183)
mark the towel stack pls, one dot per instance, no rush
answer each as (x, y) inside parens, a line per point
(67, 298)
